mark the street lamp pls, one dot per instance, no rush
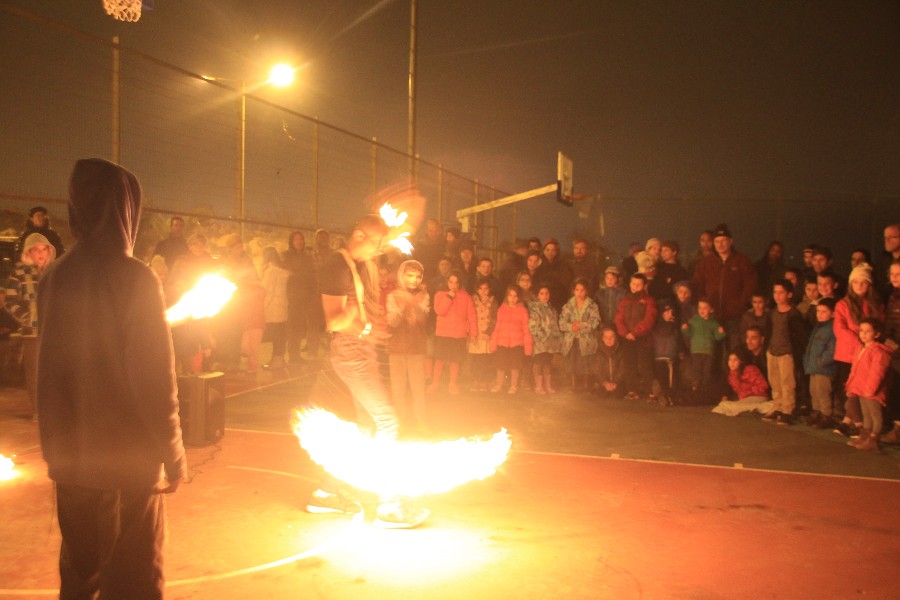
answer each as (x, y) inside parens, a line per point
(280, 75)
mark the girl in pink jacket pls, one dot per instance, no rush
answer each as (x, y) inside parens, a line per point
(511, 340)
(867, 382)
(456, 323)
(860, 302)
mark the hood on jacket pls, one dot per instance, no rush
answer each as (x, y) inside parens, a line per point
(104, 206)
(407, 265)
(33, 240)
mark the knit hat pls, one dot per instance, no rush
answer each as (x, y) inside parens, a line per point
(722, 231)
(862, 271)
(613, 270)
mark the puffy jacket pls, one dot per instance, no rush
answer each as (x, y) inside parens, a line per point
(819, 356)
(544, 326)
(748, 383)
(512, 328)
(868, 374)
(587, 334)
(846, 332)
(728, 284)
(636, 315)
(609, 364)
(455, 316)
(275, 281)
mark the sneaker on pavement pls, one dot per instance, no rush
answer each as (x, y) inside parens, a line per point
(400, 515)
(772, 416)
(322, 502)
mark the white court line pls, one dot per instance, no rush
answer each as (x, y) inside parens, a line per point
(699, 466)
(263, 387)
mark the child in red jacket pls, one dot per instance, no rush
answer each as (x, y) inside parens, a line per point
(511, 340)
(456, 323)
(749, 385)
(867, 382)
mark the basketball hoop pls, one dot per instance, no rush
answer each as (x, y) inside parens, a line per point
(123, 10)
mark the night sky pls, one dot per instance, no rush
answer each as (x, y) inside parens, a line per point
(712, 99)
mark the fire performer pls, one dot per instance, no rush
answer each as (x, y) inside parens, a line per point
(106, 393)
(349, 286)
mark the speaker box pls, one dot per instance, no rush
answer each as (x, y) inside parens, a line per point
(201, 403)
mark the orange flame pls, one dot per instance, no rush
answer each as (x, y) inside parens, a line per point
(7, 468)
(203, 300)
(396, 220)
(392, 468)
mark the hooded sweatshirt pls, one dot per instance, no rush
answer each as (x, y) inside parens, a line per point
(407, 311)
(21, 289)
(106, 380)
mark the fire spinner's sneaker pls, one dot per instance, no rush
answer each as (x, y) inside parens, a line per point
(322, 502)
(400, 515)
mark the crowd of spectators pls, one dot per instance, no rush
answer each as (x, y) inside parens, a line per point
(793, 342)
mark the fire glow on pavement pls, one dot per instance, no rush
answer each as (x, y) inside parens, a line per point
(396, 468)
(7, 468)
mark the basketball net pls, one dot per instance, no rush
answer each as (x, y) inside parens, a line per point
(123, 10)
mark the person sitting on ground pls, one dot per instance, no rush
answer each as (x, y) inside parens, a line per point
(818, 364)
(609, 365)
(578, 322)
(866, 382)
(748, 385)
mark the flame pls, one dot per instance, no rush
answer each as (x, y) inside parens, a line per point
(390, 215)
(7, 468)
(402, 243)
(391, 468)
(395, 220)
(203, 300)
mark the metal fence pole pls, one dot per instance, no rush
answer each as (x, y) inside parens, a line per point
(116, 102)
(374, 174)
(316, 173)
(440, 192)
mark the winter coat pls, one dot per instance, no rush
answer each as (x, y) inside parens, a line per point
(703, 334)
(819, 356)
(587, 335)
(609, 364)
(846, 332)
(302, 283)
(544, 326)
(636, 315)
(275, 281)
(607, 299)
(748, 383)
(486, 318)
(22, 287)
(512, 329)
(455, 316)
(728, 284)
(867, 375)
(666, 339)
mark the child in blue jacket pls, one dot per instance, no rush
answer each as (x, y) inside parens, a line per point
(818, 363)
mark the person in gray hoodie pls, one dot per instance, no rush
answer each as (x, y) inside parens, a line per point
(109, 426)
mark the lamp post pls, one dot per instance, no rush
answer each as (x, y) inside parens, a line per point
(280, 75)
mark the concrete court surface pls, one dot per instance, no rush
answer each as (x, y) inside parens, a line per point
(576, 524)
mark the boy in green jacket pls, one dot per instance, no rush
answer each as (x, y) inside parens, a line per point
(702, 331)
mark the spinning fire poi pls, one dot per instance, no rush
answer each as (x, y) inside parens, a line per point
(377, 462)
